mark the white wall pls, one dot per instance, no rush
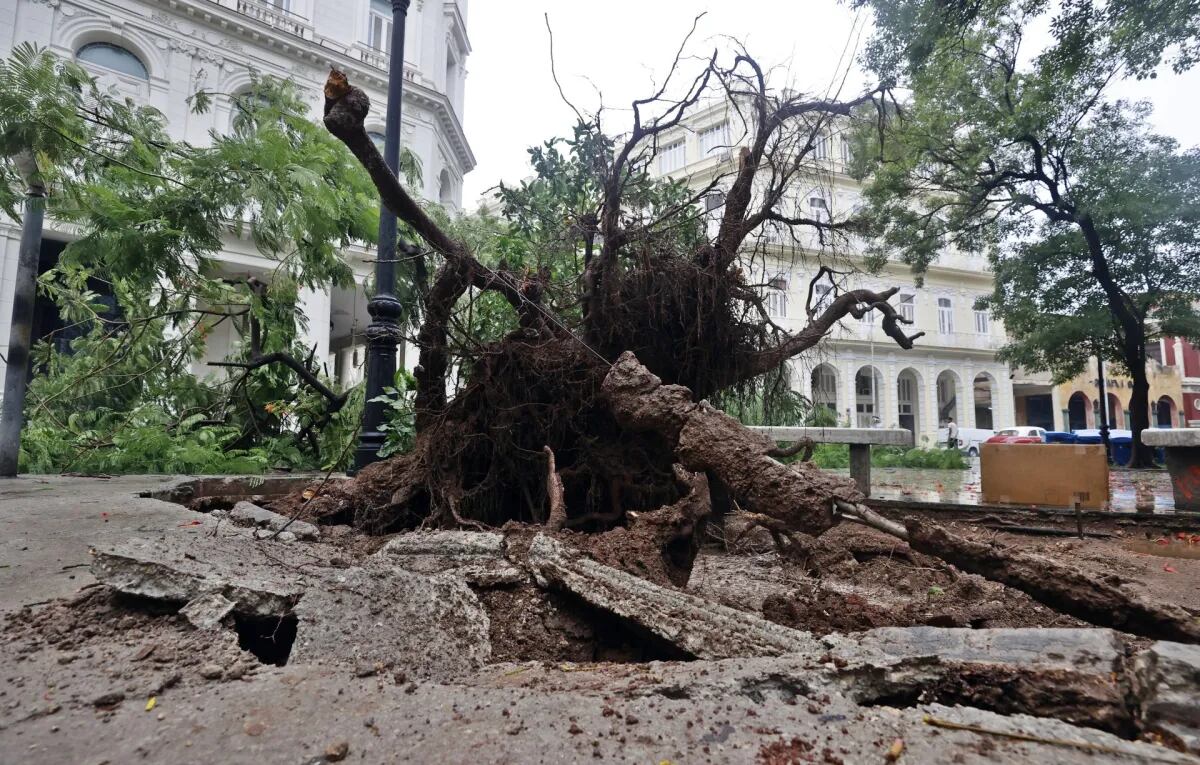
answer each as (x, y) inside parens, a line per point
(193, 44)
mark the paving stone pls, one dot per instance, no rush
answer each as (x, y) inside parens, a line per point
(183, 569)
(477, 556)
(1087, 650)
(1166, 684)
(697, 626)
(207, 611)
(250, 514)
(427, 626)
(1072, 674)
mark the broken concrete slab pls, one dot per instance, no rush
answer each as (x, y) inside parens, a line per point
(1071, 674)
(699, 627)
(1166, 684)
(995, 671)
(477, 556)
(384, 618)
(1089, 650)
(183, 569)
(207, 611)
(246, 513)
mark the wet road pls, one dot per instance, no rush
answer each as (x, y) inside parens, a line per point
(963, 486)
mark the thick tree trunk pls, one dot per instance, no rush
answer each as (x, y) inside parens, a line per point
(1131, 335)
(1139, 418)
(787, 498)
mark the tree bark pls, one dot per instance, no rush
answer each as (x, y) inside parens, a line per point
(1060, 587)
(1131, 337)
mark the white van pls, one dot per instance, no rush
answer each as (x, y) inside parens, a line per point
(969, 439)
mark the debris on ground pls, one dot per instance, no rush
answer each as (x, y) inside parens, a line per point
(850, 643)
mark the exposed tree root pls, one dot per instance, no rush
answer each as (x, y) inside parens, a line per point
(795, 498)
(1057, 586)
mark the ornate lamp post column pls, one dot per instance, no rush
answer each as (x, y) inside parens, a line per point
(16, 376)
(383, 333)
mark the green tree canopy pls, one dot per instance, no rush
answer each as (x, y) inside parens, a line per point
(1087, 218)
(148, 214)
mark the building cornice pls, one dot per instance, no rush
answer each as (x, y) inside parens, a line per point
(305, 45)
(458, 26)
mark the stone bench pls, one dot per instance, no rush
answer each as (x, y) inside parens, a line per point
(860, 440)
(1182, 446)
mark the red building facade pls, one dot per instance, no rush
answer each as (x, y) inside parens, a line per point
(1185, 357)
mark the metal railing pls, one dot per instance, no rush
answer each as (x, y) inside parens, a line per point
(276, 17)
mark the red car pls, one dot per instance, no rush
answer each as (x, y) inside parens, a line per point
(1023, 435)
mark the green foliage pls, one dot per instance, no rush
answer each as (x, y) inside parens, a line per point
(400, 426)
(833, 456)
(1142, 193)
(150, 212)
(1089, 221)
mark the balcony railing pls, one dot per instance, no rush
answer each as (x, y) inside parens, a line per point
(276, 17)
(294, 24)
(372, 56)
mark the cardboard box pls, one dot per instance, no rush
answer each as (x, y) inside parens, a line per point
(1054, 475)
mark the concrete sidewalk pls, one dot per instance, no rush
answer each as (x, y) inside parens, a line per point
(49, 523)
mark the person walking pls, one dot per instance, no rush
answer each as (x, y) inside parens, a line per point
(951, 434)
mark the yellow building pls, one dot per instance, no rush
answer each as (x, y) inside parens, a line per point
(1075, 404)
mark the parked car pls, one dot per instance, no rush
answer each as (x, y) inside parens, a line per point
(1021, 434)
(969, 439)
(1023, 431)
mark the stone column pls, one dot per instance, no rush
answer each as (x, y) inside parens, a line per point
(891, 397)
(848, 397)
(1057, 407)
(932, 419)
(1004, 410)
(966, 400)
(315, 305)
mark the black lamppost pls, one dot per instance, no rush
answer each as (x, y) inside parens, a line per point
(383, 333)
(16, 375)
(1103, 404)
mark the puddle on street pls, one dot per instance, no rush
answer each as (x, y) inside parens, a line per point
(1176, 549)
(964, 487)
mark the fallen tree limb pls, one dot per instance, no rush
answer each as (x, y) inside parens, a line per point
(801, 498)
(1052, 584)
(1057, 586)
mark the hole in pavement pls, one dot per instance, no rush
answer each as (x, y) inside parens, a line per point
(269, 638)
(530, 624)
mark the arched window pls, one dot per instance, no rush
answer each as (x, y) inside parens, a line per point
(112, 56)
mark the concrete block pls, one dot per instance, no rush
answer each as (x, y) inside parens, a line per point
(478, 557)
(872, 436)
(184, 570)
(1166, 686)
(249, 514)
(384, 618)
(696, 626)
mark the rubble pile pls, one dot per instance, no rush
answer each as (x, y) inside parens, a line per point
(522, 621)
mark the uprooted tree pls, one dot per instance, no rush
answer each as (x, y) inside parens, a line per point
(643, 275)
(590, 413)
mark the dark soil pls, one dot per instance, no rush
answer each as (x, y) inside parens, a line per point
(100, 648)
(852, 579)
(531, 624)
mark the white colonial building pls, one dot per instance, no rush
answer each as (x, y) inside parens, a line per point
(860, 373)
(160, 52)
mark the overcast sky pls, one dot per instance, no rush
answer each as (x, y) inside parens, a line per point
(619, 48)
